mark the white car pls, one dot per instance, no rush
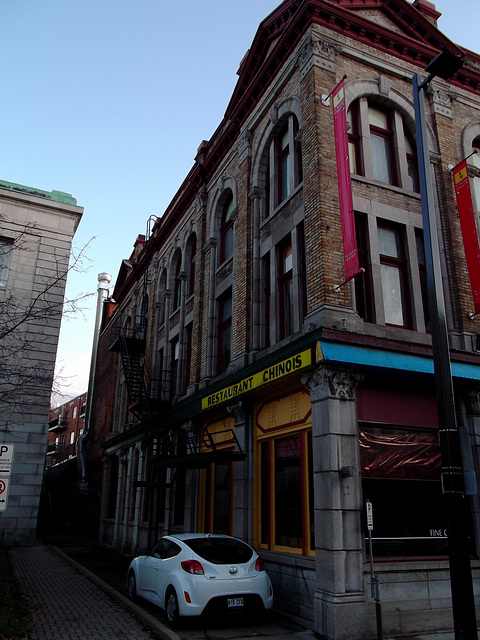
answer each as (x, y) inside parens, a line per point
(189, 574)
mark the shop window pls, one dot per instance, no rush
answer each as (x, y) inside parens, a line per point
(381, 146)
(219, 499)
(112, 488)
(226, 230)
(6, 248)
(393, 269)
(286, 493)
(225, 308)
(133, 487)
(401, 477)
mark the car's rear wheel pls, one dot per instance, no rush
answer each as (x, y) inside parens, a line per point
(132, 586)
(171, 607)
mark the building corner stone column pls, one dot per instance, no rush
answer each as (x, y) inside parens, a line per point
(340, 605)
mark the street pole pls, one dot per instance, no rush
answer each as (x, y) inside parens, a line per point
(463, 603)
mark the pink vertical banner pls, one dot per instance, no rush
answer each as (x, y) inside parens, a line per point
(469, 231)
(350, 249)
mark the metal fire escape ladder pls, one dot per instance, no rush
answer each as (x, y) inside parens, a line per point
(196, 449)
(130, 342)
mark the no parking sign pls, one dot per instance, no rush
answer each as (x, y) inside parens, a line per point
(4, 486)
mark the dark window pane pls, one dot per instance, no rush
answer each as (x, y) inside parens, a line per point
(288, 492)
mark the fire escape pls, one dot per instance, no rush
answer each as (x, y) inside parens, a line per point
(150, 402)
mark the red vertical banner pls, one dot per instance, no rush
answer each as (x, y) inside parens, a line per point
(469, 230)
(350, 249)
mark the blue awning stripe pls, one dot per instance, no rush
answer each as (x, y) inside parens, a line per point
(348, 354)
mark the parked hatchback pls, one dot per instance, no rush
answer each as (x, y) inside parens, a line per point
(189, 574)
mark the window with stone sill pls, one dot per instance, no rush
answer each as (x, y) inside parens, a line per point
(6, 249)
(381, 147)
(284, 164)
(227, 230)
(396, 251)
(224, 332)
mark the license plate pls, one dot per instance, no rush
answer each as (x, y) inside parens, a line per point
(234, 602)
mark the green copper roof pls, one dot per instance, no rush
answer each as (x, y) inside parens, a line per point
(57, 196)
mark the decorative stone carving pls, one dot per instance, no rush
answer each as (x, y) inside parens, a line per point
(333, 382)
(440, 101)
(316, 52)
(273, 113)
(244, 146)
(255, 192)
(237, 410)
(384, 85)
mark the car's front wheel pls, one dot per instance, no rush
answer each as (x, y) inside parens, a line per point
(171, 607)
(131, 586)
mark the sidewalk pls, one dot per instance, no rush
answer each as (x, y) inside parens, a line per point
(68, 604)
(79, 592)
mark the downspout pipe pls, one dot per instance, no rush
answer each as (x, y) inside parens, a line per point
(103, 291)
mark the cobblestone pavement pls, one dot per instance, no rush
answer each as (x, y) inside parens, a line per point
(67, 605)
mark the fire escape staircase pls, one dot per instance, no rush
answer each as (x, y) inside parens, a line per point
(148, 408)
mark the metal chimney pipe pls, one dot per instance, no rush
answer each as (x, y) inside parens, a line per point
(103, 290)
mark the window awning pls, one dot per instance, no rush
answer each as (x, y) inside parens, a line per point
(352, 354)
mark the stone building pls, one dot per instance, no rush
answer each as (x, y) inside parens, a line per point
(36, 232)
(243, 387)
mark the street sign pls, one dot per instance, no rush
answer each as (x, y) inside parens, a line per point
(369, 516)
(6, 458)
(4, 487)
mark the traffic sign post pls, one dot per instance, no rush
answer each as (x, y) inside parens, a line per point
(4, 487)
(6, 458)
(6, 463)
(373, 577)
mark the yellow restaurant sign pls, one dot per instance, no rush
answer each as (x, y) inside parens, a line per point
(276, 371)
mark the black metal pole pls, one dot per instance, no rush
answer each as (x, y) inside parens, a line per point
(463, 602)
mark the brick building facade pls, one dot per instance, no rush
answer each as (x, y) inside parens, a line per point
(239, 390)
(65, 423)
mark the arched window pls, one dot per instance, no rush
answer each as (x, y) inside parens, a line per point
(226, 230)
(381, 147)
(161, 296)
(284, 163)
(476, 179)
(177, 281)
(191, 253)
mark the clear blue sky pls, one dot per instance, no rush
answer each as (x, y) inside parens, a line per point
(109, 100)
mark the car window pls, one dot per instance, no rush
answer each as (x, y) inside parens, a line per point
(220, 550)
(165, 549)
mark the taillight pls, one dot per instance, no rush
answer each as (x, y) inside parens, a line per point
(193, 566)
(259, 564)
